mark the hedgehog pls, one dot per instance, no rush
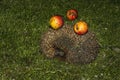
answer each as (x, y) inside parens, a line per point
(66, 45)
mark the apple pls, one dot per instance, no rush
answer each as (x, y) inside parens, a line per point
(81, 27)
(72, 14)
(56, 22)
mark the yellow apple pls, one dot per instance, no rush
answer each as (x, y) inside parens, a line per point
(81, 27)
(56, 22)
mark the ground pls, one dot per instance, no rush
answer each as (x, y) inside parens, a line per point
(22, 22)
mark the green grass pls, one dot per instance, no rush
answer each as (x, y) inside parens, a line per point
(22, 22)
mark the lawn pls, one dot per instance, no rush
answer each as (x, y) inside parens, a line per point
(22, 22)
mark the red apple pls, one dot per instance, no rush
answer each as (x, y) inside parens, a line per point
(56, 22)
(72, 14)
(81, 27)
